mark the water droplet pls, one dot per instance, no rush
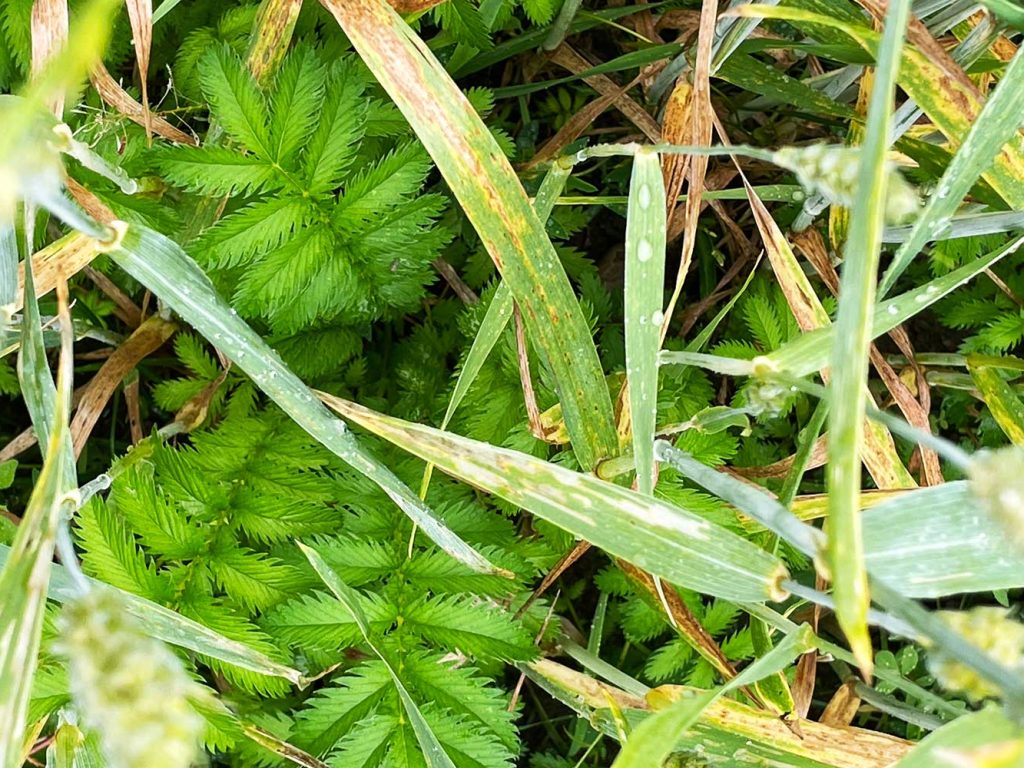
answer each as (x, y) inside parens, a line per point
(892, 310)
(658, 317)
(644, 197)
(644, 250)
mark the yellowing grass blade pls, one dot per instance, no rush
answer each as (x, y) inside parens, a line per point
(952, 105)
(1006, 407)
(656, 737)
(496, 204)
(645, 281)
(663, 539)
(160, 265)
(727, 734)
(998, 124)
(850, 354)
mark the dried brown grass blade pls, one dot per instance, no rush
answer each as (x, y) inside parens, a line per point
(673, 127)
(842, 707)
(59, 260)
(140, 16)
(133, 407)
(698, 134)
(779, 469)
(115, 96)
(125, 308)
(49, 34)
(146, 339)
(682, 618)
(576, 125)
(568, 58)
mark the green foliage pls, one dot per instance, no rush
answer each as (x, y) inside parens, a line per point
(328, 205)
(317, 213)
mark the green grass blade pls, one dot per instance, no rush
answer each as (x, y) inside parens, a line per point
(663, 539)
(500, 309)
(644, 287)
(494, 201)
(990, 727)
(850, 355)
(26, 573)
(8, 271)
(810, 351)
(160, 265)
(1007, 10)
(23, 584)
(656, 737)
(171, 627)
(997, 124)
(938, 541)
(1006, 407)
(953, 547)
(950, 106)
(433, 752)
(752, 501)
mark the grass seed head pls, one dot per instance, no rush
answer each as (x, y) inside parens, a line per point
(128, 687)
(997, 482)
(832, 171)
(990, 629)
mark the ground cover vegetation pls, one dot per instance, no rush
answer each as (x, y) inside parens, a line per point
(514, 382)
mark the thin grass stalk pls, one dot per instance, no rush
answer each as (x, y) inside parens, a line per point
(433, 752)
(499, 311)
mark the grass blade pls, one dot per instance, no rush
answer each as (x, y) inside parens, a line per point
(955, 548)
(990, 727)
(25, 575)
(810, 351)
(160, 265)
(879, 454)
(499, 312)
(23, 584)
(997, 124)
(433, 752)
(656, 737)
(752, 501)
(8, 271)
(952, 105)
(1006, 407)
(645, 280)
(663, 539)
(496, 204)
(727, 733)
(850, 355)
